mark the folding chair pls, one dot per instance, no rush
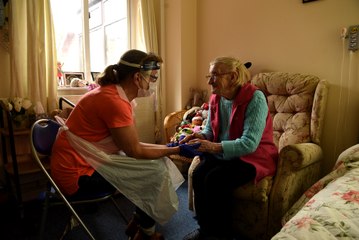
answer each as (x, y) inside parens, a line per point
(42, 137)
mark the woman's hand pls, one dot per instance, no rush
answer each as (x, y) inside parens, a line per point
(190, 137)
(207, 146)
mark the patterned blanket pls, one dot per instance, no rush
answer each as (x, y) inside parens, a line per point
(330, 208)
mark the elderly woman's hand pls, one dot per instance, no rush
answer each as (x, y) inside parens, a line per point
(190, 137)
(207, 146)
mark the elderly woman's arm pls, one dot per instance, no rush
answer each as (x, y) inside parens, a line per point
(254, 124)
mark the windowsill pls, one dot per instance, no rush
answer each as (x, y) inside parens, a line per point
(67, 90)
(72, 88)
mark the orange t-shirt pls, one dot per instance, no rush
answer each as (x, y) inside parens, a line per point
(96, 112)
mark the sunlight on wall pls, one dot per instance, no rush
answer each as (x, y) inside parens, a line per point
(145, 119)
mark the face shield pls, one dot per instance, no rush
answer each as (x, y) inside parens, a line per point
(149, 66)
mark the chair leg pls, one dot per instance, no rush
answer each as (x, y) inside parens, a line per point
(45, 210)
(14, 190)
(71, 224)
(75, 218)
(74, 222)
(120, 210)
(67, 229)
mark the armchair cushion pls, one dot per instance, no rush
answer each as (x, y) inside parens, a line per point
(257, 193)
(295, 103)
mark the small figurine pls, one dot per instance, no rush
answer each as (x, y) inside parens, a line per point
(60, 74)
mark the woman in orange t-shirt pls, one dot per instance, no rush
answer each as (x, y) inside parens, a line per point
(103, 120)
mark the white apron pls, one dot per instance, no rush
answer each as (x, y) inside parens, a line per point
(149, 184)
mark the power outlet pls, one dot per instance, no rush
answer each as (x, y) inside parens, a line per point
(353, 37)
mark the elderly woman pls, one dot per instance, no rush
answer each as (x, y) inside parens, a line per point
(237, 145)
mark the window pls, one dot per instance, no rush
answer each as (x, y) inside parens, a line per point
(107, 34)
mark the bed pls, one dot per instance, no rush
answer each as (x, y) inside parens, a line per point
(330, 208)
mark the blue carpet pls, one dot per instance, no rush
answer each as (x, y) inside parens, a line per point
(103, 220)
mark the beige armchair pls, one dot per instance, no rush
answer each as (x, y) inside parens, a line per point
(297, 105)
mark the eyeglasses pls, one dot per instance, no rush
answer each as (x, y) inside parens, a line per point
(151, 78)
(216, 76)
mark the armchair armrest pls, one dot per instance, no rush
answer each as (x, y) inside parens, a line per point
(298, 168)
(298, 156)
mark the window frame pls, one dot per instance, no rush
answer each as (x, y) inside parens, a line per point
(85, 37)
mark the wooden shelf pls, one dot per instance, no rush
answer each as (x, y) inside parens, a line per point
(17, 132)
(25, 167)
(25, 177)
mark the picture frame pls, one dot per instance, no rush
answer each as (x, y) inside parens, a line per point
(95, 75)
(68, 76)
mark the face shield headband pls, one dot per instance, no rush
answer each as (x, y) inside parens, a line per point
(151, 65)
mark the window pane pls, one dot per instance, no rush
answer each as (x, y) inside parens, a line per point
(108, 33)
(95, 16)
(116, 41)
(68, 31)
(97, 55)
(114, 10)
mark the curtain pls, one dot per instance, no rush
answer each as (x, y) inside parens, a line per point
(144, 37)
(33, 53)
